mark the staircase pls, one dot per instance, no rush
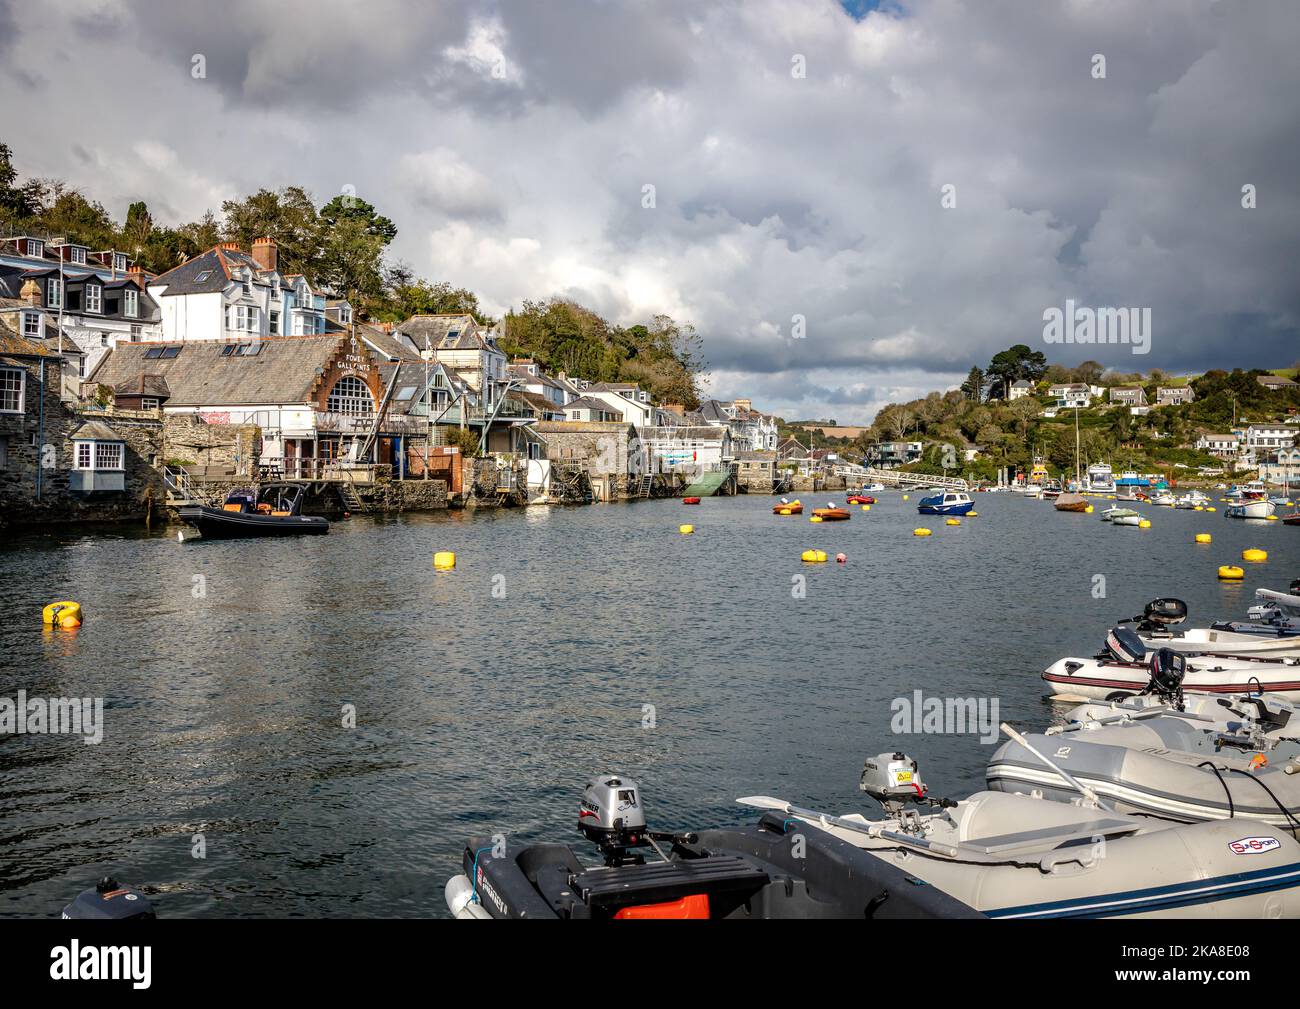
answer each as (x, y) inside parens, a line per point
(644, 485)
(351, 499)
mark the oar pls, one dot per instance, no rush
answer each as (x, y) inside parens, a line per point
(1078, 786)
(870, 830)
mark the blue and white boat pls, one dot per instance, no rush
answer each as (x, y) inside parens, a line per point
(946, 502)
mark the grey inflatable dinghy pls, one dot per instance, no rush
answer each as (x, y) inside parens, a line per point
(1021, 856)
(1183, 757)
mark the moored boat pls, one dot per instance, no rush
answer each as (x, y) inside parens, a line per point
(787, 508)
(690, 500)
(759, 872)
(860, 499)
(946, 503)
(1024, 856)
(1071, 503)
(832, 514)
(275, 510)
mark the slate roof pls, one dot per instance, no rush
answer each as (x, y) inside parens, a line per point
(284, 370)
(444, 332)
(216, 267)
(11, 339)
(94, 430)
(144, 385)
(590, 403)
(387, 345)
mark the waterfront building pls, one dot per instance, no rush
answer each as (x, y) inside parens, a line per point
(687, 449)
(460, 342)
(1225, 446)
(590, 408)
(1262, 440)
(610, 456)
(750, 429)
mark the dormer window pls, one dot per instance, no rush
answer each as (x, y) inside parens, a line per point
(94, 298)
(53, 293)
(32, 325)
(119, 262)
(35, 248)
(77, 255)
(130, 303)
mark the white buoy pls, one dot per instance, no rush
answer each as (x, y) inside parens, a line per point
(180, 535)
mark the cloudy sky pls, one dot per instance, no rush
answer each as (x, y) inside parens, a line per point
(798, 152)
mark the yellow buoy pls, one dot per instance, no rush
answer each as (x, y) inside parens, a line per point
(62, 614)
(444, 560)
(1088, 510)
(1230, 572)
(785, 511)
(920, 532)
(904, 497)
(815, 518)
(953, 522)
(813, 556)
(1211, 509)
(1272, 518)
(1255, 556)
(1198, 508)
(686, 530)
(1203, 538)
(972, 515)
(866, 508)
(1144, 524)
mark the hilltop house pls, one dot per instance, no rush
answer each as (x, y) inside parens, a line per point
(1275, 382)
(1174, 395)
(1020, 389)
(1128, 395)
(1071, 394)
(1224, 446)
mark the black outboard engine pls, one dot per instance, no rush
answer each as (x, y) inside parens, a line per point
(1168, 668)
(1124, 645)
(110, 900)
(1159, 615)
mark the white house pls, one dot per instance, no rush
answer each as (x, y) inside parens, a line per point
(1264, 439)
(228, 294)
(1071, 394)
(1020, 389)
(628, 399)
(1224, 446)
(458, 341)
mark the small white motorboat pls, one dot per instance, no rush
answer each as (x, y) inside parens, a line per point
(1192, 500)
(1122, 670)
(1021, 856)
(1269, 633)
(1164, 499)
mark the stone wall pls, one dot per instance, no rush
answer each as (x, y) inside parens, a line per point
(204, 447)
(35, 481)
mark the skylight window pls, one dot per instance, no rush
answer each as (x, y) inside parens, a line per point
(169, 352)
(153, 353)
(405, 393)
(203, 276)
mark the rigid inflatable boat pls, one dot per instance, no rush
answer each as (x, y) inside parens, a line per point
(1185, 759)
(274, 511)
(832, 514)
(765, 871)
(1121, 670)
(787, 508)
(1020, 856)
(860, 499)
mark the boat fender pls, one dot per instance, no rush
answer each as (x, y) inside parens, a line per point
(841, 559)
(921, 532)
(686, 530)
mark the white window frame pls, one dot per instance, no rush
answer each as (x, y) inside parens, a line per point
(119, 262)
(35, 248)
(130, 303)
(100, 456)
(6, 387)
(32, 325)
(53, 292)
(95, 291)
(148, 403)
(78, 255)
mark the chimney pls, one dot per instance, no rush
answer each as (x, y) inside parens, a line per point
(31, 293)
(229, 246)
(742, 404)
(677, 408)
(136, 273)
(265, 253)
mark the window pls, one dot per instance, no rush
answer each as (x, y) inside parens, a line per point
(135, 336)
(119, 262)
(94, 298)
(275, 323)
(35, 248)
(78, 255)
(85, 454)
(148, 403)
(108, 454)
(53, 292)
(32, 325)
(350, 396)
(169, 352)
(153, 353)
(203, 276)
(242, 318)
(81, 366)
(11, 390)
(130, 303)
(226, 351)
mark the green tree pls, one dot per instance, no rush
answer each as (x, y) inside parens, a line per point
(289, 216)
(973, 387)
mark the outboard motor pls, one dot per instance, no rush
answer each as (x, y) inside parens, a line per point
(1168, 668)
(1160, 614)
(110, 900)
(610, 815)
(1124, 645)
(892, 779)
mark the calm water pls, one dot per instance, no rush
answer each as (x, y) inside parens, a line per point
(478, 714)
